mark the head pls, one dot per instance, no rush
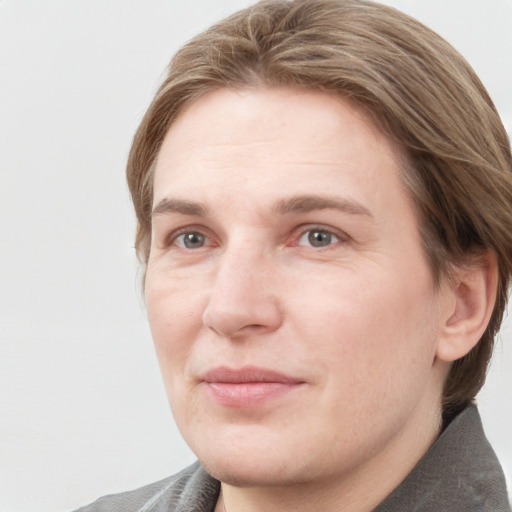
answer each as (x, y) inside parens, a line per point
(415, 87)
(318, 213)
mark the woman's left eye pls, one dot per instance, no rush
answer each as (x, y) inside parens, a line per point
(318, 238)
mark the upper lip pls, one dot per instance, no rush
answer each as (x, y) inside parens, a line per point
(247, 374)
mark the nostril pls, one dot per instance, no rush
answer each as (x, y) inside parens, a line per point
(254, 327)
(241, 309)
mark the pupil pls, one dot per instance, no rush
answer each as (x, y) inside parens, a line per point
(319, 238)
(193, 240)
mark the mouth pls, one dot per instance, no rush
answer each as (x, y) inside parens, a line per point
(248, 386)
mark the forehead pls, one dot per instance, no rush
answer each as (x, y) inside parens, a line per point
(277, 140)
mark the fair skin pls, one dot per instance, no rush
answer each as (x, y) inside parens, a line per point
(302, 341)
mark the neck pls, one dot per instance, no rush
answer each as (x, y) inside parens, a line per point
(359, 491)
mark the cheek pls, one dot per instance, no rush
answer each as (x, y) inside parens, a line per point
(373, 336)
(174, 314)
(175, 320)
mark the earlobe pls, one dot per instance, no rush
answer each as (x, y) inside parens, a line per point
(473, 292)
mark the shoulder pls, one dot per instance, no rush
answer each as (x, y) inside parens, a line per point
(459, 472)
(192, 489)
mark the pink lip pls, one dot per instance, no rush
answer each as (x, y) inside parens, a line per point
(248, 386)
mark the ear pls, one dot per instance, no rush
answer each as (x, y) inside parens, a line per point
(472, 291)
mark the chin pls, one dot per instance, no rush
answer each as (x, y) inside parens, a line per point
(245, 467)
(237, 477)
(258, 461)
(251, 473)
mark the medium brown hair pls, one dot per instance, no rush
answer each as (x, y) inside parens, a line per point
(417, 88)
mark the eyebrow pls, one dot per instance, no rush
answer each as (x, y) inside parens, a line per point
(179, 206)
(295, 204)
(308, 203)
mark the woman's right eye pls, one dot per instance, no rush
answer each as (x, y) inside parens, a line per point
(191, 240)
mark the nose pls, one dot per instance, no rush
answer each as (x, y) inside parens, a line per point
(242, 298)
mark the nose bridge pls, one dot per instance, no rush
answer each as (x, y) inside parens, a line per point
(245, 259)
(242, 296)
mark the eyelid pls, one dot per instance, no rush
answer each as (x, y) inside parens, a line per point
(169, 240)
(302, 230)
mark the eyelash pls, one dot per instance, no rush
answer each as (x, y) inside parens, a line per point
(339, 237)
(329, 233)
(171, 240)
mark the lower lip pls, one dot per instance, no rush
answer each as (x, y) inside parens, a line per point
(247, 394)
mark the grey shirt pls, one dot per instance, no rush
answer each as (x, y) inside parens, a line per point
(460, 473)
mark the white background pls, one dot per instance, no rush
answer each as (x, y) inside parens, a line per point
(83, 411)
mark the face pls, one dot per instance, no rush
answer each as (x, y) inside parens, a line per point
(291, 304)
